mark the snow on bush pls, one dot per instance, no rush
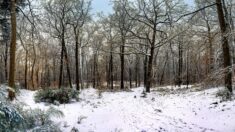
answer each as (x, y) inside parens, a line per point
(63, 95)
(13, 116)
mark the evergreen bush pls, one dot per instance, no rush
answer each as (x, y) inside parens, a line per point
(64, 95)
(14, 118)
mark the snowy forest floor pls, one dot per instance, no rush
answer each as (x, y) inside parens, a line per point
(165, 109)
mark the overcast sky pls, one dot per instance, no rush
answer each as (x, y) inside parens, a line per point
(105, 6)
(101, 5)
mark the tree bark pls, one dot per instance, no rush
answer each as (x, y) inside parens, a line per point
(180, 63)
(76, 59)
(67, 64)
(225, 46)
(145, 68)
(111, 68)
(122, 49)
(11, 82)
(61, 66)
(6, 61)
(130, 77)
(211, 52)
(150, 61)
(149, 71)
(33, 65)
(94, 71)
(26, 70)
(136, 71)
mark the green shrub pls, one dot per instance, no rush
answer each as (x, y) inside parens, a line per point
(14, 118)
(36, 118)
(10, 118)
(224, 94)
(64, 95)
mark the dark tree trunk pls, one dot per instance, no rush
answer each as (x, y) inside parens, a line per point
(122, 49)
(26, 70)
(32, 68)
(6, 61)
(150, 61)
(61, 66)
(77, 61)
(145, 69)
(82, 73)
(111, 69)
(130, 77)
(68, 68)
(94, 71)
(180, 64)
(187, 69)
(136, 71)
(54, 70)
(225, 46)
(11, 81)
(107, 68)
(150, 65)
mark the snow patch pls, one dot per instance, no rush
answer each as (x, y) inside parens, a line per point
(128, 111)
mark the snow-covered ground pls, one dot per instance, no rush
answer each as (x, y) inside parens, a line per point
(178, 111)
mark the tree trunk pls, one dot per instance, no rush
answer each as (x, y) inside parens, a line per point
(94, 71)
(67, 63)
(11, 82)
(61, 66)
(180, 63)
(150, 61)
(145, 68)
(211, 52)
(225, 46)
(130, 77)
(136, 70)
(77, 60)
(150, 65)
(122, 48)
(6, 61)
(111, 69)
(26, 70)
(54, 69)
(82, 69)
(33, 65)
(187, 68)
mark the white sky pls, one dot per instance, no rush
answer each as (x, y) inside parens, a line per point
(101, 6)
(105, 6)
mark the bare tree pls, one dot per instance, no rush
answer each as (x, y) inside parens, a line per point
(225, 45)
(123, 25)
(79, 15)
(58, 20)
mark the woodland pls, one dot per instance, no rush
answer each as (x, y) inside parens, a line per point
(171, 60)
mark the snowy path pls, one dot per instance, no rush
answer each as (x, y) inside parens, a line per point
(129, 112)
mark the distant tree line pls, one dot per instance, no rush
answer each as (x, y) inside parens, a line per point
(58, 43)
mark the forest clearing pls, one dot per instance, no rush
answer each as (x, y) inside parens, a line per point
(117, 65)
(170, 109)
